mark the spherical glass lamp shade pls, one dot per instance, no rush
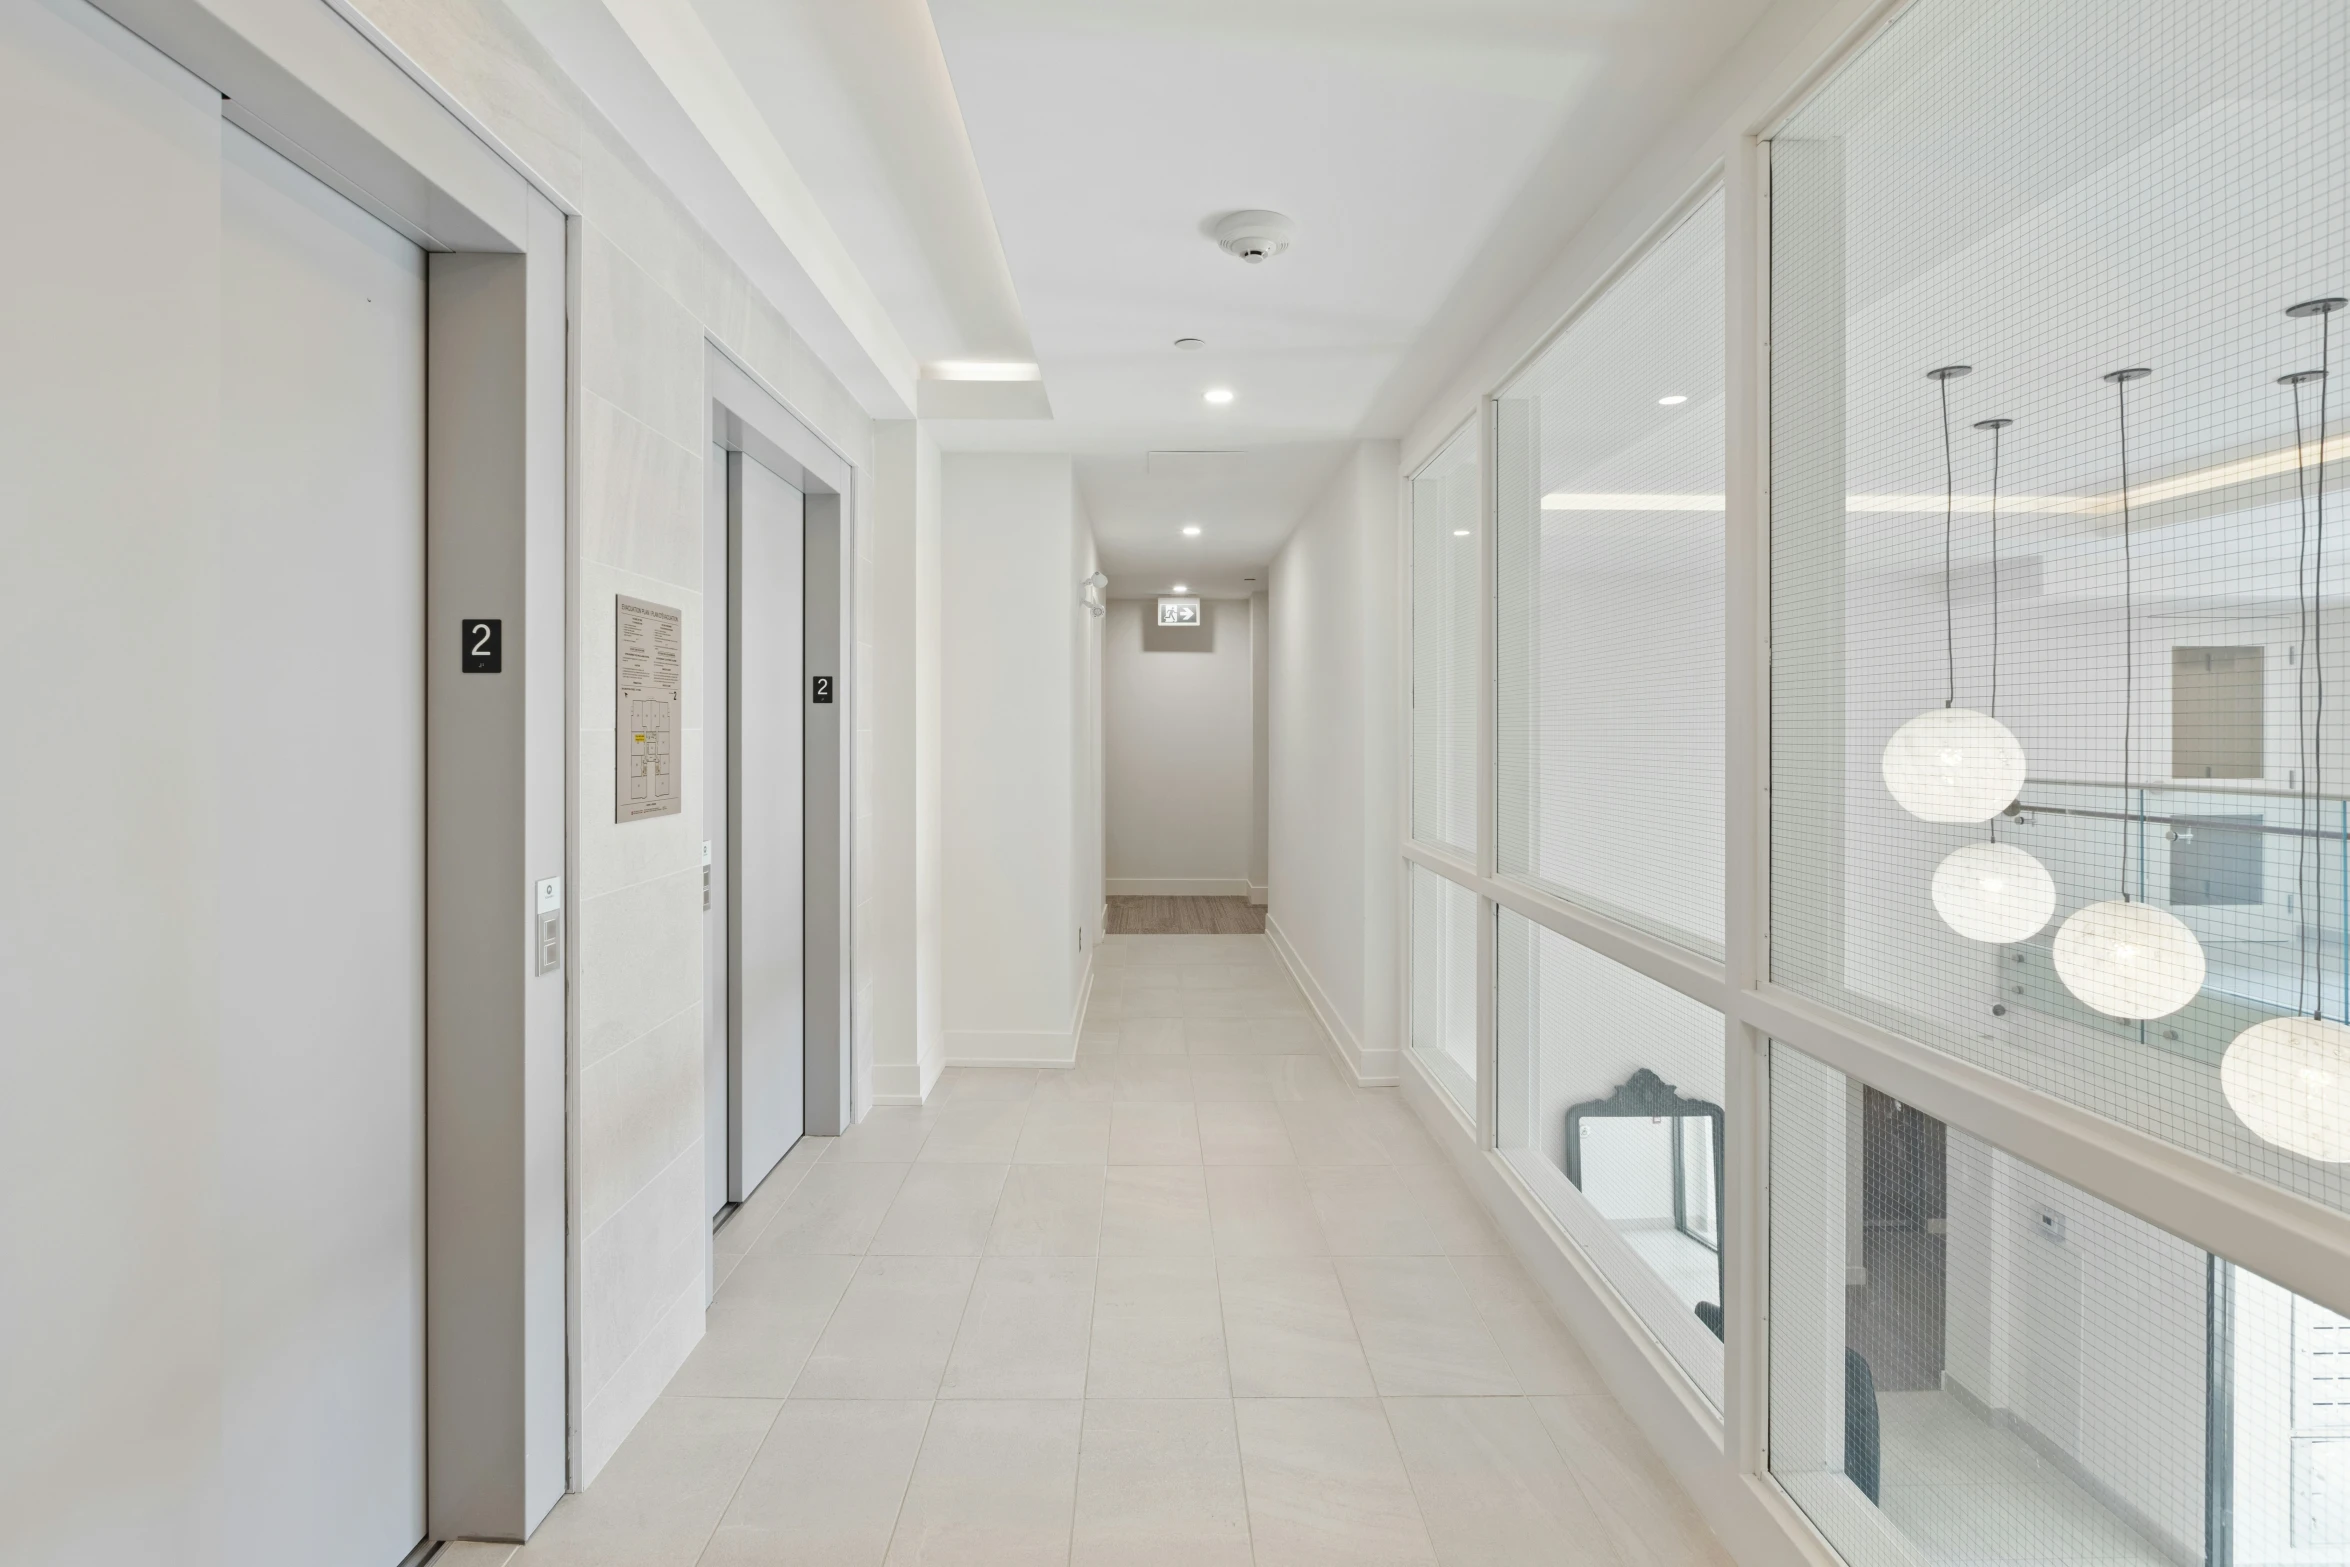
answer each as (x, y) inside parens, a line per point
(2129, 959)
(1993, 892)
(2289, 1079)
(1953, 764)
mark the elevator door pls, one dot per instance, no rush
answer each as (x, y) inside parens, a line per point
(766, 1039)
(321, 800)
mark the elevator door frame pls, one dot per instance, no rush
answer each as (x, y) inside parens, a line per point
(745, 417)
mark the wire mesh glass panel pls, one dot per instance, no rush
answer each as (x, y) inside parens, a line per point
(1444, 647)
(1610, 1105)
(2060, 630)
(1974, 1362)
(1444, 983)
(1608, 496)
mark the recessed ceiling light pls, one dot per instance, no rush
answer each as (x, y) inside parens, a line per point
(1219, 395)
(1460, 533)
(1191, 344)
(1674, 401)
(985, 370)
(1180, 588)
(1191, 532)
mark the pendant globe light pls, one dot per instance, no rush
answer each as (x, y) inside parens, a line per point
(1994, 891)
(1952, 764)
(2122, 957)
(2289, 1078)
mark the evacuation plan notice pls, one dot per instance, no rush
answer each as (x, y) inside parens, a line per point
(649, 669)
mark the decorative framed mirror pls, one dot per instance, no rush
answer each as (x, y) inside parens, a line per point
(1648, 1157)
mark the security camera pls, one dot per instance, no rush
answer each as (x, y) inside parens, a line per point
(1252, 236)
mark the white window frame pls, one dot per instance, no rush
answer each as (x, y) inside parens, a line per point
(2292, 1240)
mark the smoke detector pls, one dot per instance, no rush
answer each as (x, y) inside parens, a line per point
(1252, 236)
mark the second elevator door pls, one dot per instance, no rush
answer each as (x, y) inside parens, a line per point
(766, 1041)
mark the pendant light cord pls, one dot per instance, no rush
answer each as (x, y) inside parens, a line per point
(2121, 391)
(2317, 614)
(1949, 505)
(1997, 426)
(2303, 847)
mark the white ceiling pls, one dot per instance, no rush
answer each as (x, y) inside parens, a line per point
(1034, 179)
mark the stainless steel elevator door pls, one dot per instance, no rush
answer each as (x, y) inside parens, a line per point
(321, 802)
(766, 1042)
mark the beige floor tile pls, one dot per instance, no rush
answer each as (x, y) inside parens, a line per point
(1263, 1211)
(826, 1486)
(1647, 1518)
(1143, 1132)
(750, 1218)
(1094, 1080)
(1420, 1331)
(834, 1211)
(1287, 1330)
(891, 1333)
(942, 1210)
(1158, 1330)
(1160, 1079)
(976, 1131)
(1049, 1210)
(768, 1315)
(967, 1083)
(1255, 1036)
(1363, 1212)
(1314, 1076)
(995, 1486)
(889, 1134)
(1026, 1330)
(1064, 1132)
(1490, 1484)
(1383, 1117)
(657, 1501)
(1158, 1485)
(1327, 1131)
(1242, 1132)
(1538, 1347)
(1236, 1079)
(1142, 1034)
(1156, 1210)
(1326, 1487)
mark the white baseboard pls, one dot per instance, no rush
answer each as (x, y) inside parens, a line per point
(1022, 1047)
(897, 1083)
(1259, 894)
(1369, 1068)
(1177, 886)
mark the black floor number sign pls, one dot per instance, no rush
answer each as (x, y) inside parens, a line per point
(823, 688)
(480, 649)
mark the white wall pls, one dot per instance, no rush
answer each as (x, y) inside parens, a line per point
(1020, 879)
(2093, 1345)
(1333, 830)
(1179, 741)
(1260, 651)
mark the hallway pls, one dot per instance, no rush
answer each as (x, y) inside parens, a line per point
(1194, 1301)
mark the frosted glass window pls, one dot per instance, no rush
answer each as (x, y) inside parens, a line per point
(1981, 229)
(1974, 1362)
(1444, 647)
(1444, 983)
(1610, 1104)
(1609, 474)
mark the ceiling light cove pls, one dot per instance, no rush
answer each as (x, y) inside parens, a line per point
(1218, 395)
(1673, 401)
(1191, 533)
(985, 370)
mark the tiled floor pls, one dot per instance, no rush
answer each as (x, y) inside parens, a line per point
(1972, 1495)
(1196, 1301)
